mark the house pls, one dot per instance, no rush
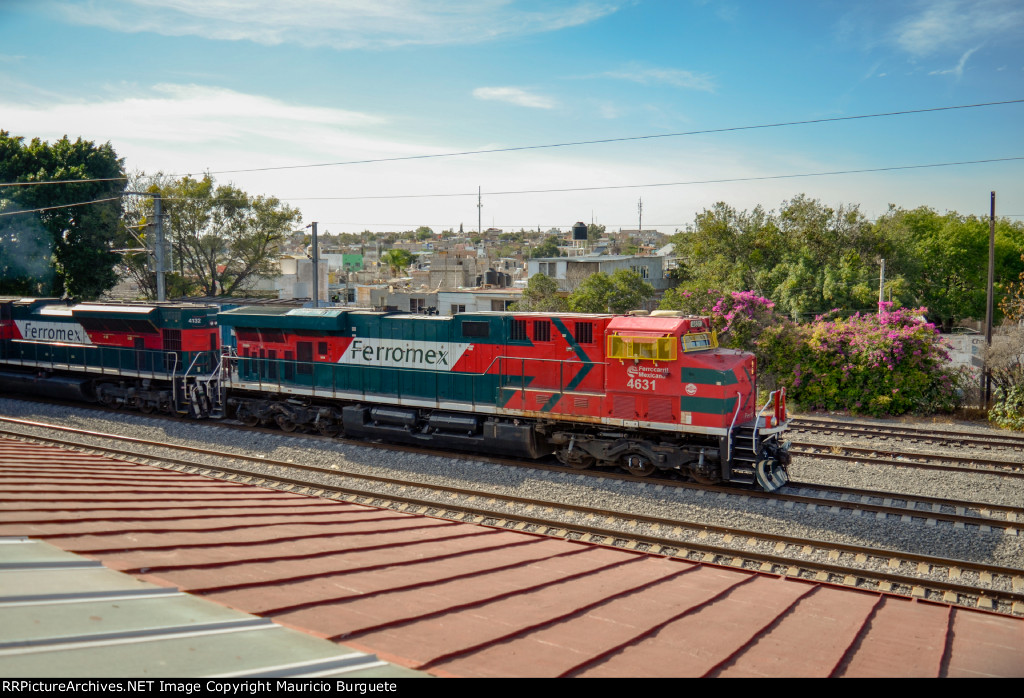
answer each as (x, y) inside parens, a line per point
(570, 272)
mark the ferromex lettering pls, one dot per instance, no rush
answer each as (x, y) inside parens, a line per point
(437, 356)
(70, 332)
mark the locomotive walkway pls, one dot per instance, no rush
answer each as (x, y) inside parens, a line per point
(465, 600)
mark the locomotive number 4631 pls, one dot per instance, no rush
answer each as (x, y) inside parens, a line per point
(642, 384)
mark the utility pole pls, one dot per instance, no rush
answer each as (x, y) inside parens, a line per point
(986, 381)
(881, 287)
(640, 222)
(158, 243)
(479, 212)
(161, 281)
(316, 267)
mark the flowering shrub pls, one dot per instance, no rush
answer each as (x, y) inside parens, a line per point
(739, 317)
(747, 321)
(885, 364)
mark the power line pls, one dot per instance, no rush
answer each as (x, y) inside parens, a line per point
(64, 181)
(52, 208)
(622, 139)
(575, 189)
(636, 186)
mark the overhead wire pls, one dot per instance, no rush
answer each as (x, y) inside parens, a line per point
(564, 190)
(595, 188)
(53, 208)
(620, 139)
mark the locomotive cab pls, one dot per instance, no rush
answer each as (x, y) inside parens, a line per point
(683, 403)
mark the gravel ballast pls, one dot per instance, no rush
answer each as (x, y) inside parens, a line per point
(971, 543)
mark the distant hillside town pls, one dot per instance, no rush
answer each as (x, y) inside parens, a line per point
(452, 271)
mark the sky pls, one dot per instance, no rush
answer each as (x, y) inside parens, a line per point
(271, 96)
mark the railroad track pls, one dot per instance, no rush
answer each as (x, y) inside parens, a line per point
(912, 459)
(921, 576)
(945, 437)
(854, 501)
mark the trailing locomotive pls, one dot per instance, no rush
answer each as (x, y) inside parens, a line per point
(148, 357)
(644, 393)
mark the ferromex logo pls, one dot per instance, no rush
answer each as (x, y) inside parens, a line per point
(70, 332)
(435, 356)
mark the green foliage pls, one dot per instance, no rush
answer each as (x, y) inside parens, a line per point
(548, 248)
(1005, 361)
(890, 363)
(397, 260)
(1008, 410)
(61, 251)
(541, 296)
(222, 238)
(740, 319)
(619, 293)
(808, 258)
(945, 260)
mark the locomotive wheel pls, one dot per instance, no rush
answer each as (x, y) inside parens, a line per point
(328, 428)
(285, 424)
(635, 464)
(704, 479)
(146, 407)
(577, 460)
(246, 417)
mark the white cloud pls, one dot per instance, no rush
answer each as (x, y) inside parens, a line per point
(952, 24)
(345, 25)
(664, 76)
(193, 127)
(959, 69)
(514, 95)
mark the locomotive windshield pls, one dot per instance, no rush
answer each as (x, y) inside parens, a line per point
(699, 341)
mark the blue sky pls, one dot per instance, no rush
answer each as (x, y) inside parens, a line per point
(186, 86)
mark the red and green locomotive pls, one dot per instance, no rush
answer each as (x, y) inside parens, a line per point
(148, 357)
(645, 393)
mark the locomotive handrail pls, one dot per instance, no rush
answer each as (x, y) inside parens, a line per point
(757, 419)
(174, 362)
(522, 371)
(728, 434)
(188, 371)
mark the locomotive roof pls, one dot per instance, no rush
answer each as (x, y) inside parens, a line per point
(284, 318)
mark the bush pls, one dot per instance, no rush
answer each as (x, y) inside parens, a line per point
(1005, 359)
(886, 364)
(1008, 410)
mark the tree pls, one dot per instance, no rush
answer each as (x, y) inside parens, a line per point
(594, 232)
(62, 251)
(548, 248)
(945, 260)
(424, 233)
(397, 260)
(541, 296)
(621, 292)
(222, 238)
